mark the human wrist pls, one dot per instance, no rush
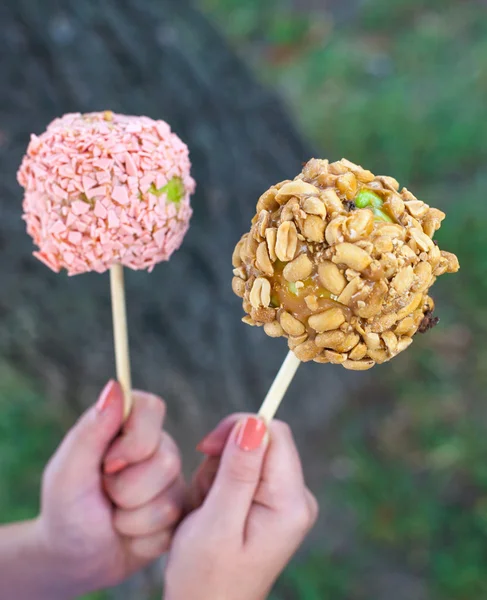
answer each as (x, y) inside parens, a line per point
(60, 577)
(168, 595)
(29, 568)
(171, 593)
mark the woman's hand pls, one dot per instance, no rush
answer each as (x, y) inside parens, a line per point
(110, 504)
(251, 521)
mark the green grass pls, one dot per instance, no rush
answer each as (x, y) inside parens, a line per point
(421, 491)
(318, 578)
(401, 88)
(28, 436)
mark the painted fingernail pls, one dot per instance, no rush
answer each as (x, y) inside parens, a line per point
(114, 465)
(251, 434)
(112, 391)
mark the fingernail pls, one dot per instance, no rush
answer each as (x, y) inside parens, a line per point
(112, 391)
(200, 446)
(251, 434)
(114, 465)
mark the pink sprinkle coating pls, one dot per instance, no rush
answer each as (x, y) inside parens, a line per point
(94, 192)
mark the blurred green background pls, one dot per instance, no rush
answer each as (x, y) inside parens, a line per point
(399, 86)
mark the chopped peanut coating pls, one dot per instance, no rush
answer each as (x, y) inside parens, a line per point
(340, 262)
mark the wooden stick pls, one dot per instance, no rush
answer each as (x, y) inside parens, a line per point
(120, 336)
(279, 386)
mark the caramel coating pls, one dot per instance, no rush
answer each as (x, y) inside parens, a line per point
(340, 262)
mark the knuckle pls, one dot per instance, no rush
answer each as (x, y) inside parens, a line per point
(171, 463)
(314, 509)
(142, 447)
(148, 402)
(170, 514)
(301, 518)
(157, 517)
(169, 442)
(282, 428)
(156, 404)
(119, 493)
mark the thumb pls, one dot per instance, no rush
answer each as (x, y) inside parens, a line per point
(82, 450)
(240, 471)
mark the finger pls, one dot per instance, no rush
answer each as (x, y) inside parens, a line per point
(214, 443)
(138, 484)
(145, 549)
(205, 476)
(80, 455)
(141, 433)
(203, 480)
(282, 474)
(163, 512)
(235, 484)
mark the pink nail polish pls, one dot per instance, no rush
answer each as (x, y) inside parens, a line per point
(251, 433)
(115, 465)
(112, 391)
